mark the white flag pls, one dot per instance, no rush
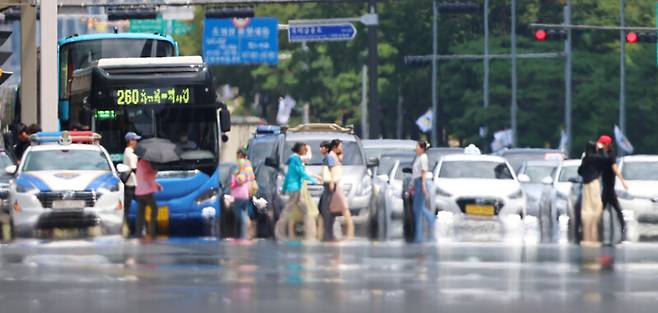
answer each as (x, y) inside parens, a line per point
(564, 140)
(622, 141)
(424, 122)
(286, 104)
(502, 139)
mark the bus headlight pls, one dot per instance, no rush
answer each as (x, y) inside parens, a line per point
(209, 196)
(25, 188)
(365, 188)
(111, 186)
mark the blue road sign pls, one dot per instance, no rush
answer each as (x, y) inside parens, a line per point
(241, 41)
(318, 32)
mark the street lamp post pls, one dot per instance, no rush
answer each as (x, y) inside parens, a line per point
(513, 105)
(622, 68)
(435, 100)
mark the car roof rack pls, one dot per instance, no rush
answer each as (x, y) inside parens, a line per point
(321, 127)
(65, 137)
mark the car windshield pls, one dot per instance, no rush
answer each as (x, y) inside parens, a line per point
(475, 169)
(538, 172)
(351, 152)
(66, 160)
(260, 150)
(640, 170)
(435, 154)
(386, 163)
(376, 152)
(567, 173)
(517, 159)
(5, 160)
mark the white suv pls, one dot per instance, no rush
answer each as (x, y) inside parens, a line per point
(66, 180)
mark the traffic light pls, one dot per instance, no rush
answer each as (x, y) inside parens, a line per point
(551, 34)
(631, 37)
(458, 7)
(540, 35)
(4, 56)
(115, 13)
(643, 37)
(230, 12)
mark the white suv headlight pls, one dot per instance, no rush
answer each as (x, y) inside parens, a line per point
(365, 187)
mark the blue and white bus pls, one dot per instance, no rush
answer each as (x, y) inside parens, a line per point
(79, 51)
(171, 98)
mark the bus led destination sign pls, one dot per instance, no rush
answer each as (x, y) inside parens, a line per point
(153, 96)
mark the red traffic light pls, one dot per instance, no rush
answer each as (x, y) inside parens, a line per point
(631, 37)
(540, 35)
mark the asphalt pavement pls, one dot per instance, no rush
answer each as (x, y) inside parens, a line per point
(196, 275)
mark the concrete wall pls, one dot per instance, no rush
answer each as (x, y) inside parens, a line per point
(242, 129)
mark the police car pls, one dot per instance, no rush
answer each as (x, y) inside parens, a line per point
(66, 180)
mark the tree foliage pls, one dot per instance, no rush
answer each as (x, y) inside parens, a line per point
(327, 76)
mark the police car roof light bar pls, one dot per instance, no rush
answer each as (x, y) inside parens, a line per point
(66, 137)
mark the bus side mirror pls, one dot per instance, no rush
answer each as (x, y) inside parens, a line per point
(225, 120)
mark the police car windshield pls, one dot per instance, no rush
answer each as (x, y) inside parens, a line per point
(66, 160)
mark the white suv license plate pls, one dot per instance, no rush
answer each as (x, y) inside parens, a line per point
(68, 204)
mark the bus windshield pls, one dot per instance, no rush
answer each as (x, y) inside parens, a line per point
(192, 129)
(80, 54)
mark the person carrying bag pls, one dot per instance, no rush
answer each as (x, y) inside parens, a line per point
(338, 204)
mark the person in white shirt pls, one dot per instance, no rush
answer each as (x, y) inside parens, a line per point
(420, 210)
(130, 159)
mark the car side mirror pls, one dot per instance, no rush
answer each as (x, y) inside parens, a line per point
(523, 178)
(407, 170)
(225, 120)
(547, 180)
(272, 162)
(11, 169)
(373, 162)
(124, 171)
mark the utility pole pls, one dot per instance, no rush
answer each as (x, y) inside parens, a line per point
(435, 98)
(567, 78)
(373, 96)
(485, 80)
(365, 130)
(514, 108)
(400, 120)
(485, 87)
(622, 68)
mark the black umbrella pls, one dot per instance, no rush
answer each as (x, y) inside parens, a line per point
(157, 150)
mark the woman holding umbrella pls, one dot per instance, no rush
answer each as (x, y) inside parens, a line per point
(152, 150)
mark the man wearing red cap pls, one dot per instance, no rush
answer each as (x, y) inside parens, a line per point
(610, 171)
